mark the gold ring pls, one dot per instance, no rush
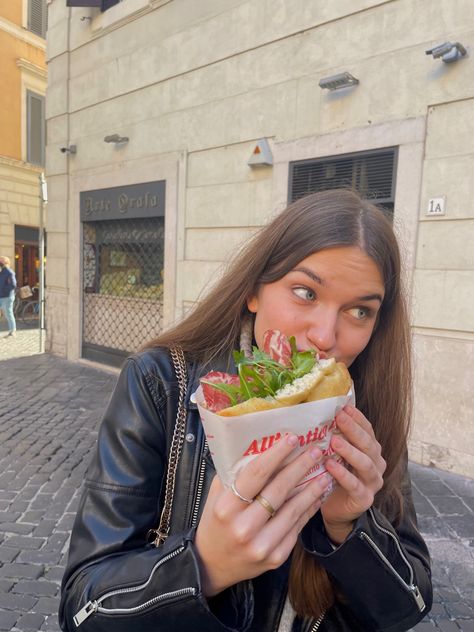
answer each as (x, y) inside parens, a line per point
(265, 504)
(236, 493)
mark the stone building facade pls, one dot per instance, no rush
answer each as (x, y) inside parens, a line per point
(181, 92)
(22, 133)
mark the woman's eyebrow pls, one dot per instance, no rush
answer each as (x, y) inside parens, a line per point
(317, 279)
(311, 275)
(371, 297)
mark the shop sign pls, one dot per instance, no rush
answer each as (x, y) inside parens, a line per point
(146, 199)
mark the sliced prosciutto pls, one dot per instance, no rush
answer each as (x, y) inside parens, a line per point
(217, 399)
(277, 346)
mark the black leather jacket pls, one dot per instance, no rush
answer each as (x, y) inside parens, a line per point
(115, 581)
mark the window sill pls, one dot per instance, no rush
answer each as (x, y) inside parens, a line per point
(122, 13)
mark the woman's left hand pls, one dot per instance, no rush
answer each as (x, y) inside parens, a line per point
(359, 480)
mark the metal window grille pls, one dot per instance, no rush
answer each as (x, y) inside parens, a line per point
(36, 128)
(37, 17)
(371, 173)
(122, 286)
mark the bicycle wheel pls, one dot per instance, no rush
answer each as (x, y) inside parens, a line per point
(17, 307)
(29, 312)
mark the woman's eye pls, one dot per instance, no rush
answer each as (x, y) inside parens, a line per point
(305, 293)
(359, 312)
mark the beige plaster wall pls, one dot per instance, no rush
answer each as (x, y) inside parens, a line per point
(443, 435)
(19, 201)
(194, 85)
(443, 305)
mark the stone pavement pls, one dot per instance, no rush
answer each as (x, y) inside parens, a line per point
(26, 343)
(49, 414)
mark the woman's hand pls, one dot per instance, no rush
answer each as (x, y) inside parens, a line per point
(358, 483)
(236, 540)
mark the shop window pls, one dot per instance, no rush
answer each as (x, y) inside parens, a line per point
(123, 286)
(371, 173)
(27, 261)
(36, 128)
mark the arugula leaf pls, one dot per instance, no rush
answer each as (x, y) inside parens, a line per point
(261, 376)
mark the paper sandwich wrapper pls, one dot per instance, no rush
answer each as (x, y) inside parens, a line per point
(234, 441)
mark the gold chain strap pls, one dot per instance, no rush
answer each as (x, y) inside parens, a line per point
(160, 534)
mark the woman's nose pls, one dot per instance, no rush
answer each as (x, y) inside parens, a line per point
(322, 332)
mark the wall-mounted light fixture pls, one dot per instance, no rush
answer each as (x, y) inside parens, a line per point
(117, 139)
(448, 52)
(69, 149)
(341, 80)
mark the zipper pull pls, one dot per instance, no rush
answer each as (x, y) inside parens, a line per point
(420, 602)
(85, 612)
(156, 537)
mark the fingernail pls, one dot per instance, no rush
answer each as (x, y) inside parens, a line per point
(292, 440)
(336, 442)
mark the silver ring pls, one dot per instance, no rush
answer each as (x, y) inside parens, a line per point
(236, 493)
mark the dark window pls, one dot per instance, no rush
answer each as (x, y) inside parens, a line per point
(36, 128)
(37, 12)
(103, 5)
(372, 173)
(27, 234)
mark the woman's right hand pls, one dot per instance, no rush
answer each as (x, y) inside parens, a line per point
(236, 540)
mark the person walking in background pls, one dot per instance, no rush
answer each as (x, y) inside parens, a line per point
(7, 294)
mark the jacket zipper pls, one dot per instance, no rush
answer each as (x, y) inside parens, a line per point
(317, 623)
(95, 605)
(200, 484)
(411, 587)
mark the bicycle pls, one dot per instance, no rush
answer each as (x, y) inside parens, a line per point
(30, 310)
(23, 295)
(27, 303)
(18, 305)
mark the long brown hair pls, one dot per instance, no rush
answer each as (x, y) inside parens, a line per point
(381, 373)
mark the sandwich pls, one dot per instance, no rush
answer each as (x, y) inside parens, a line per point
(275, 377)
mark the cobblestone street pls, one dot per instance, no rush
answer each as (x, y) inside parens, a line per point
(49, 414)
(27, 342)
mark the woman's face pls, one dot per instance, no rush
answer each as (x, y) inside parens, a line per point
(330, 300)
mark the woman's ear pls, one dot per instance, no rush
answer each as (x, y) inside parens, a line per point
(252, 304)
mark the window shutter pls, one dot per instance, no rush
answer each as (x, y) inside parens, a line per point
(372, 174)
(35, 128)
(37, 17)
(84, 3)
(106, 4)
(103, 5)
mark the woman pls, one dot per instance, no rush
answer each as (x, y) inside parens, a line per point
(327, 271)
(7, 294)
